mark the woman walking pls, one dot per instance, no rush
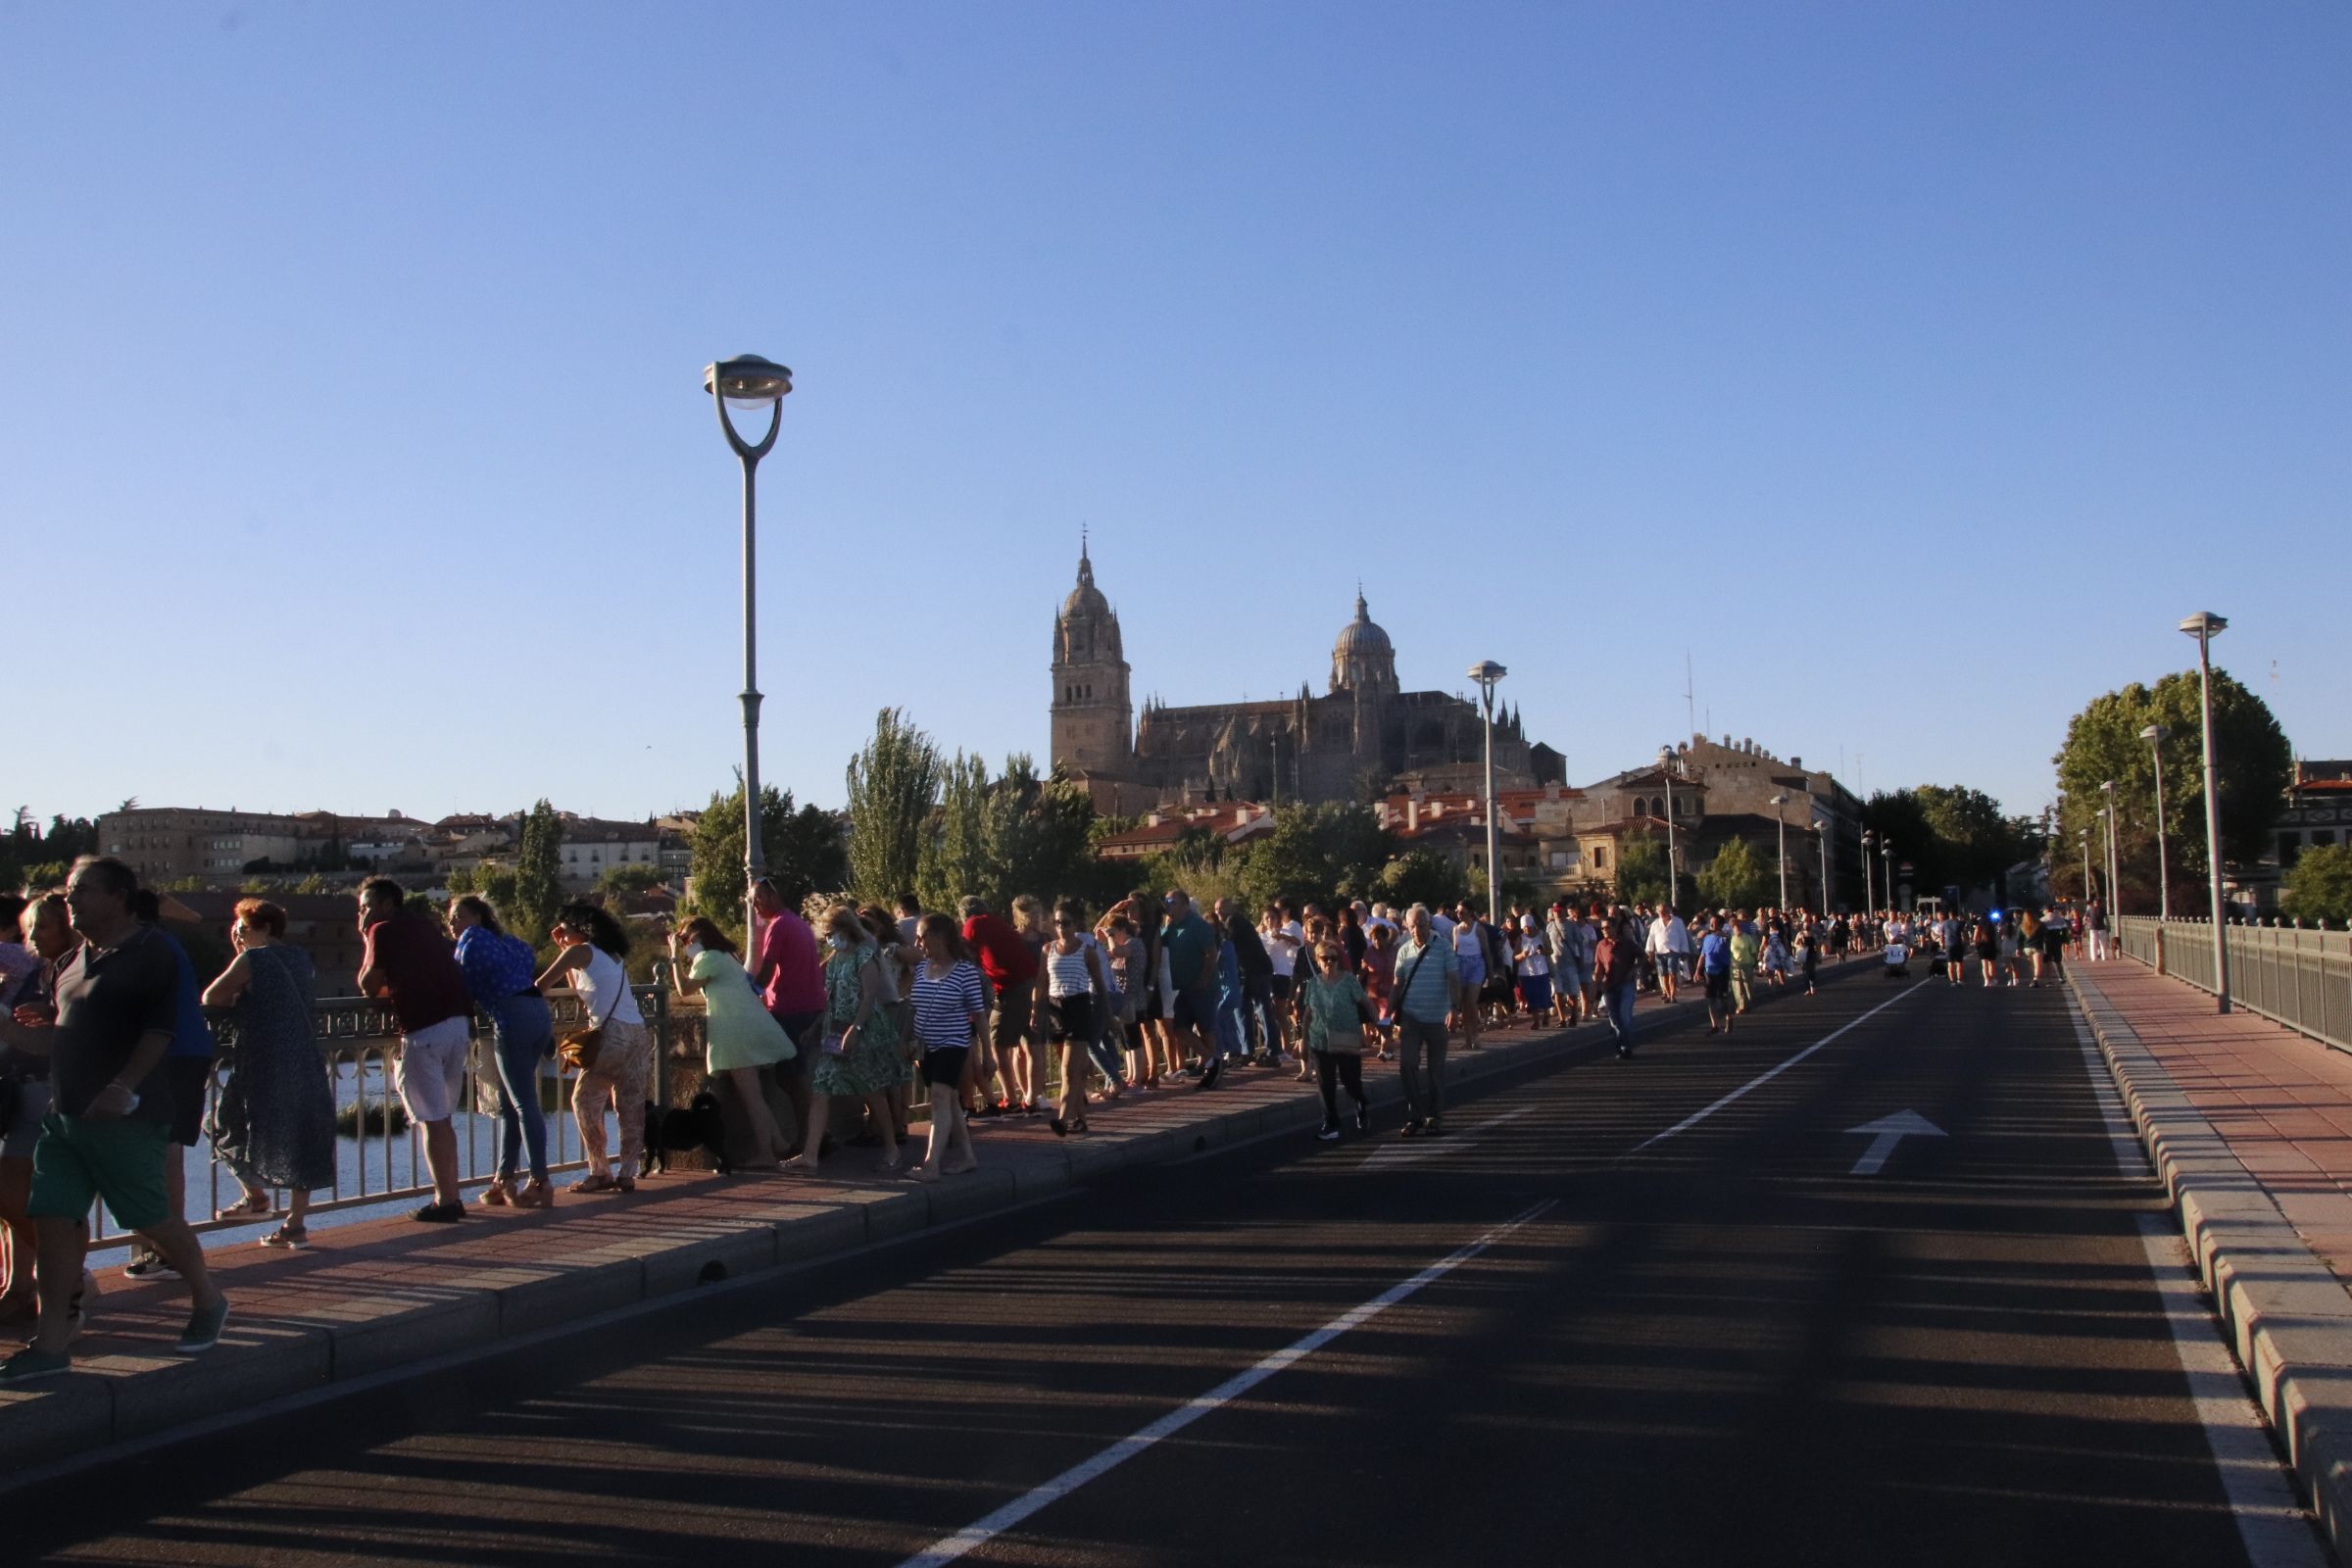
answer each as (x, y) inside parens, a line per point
(951, 1009)
(1075, 981)
(740, 1035)
(1338, 1024)
(593, 945)
(1379, 972)
(1616, 970)
(497, 972)
(859, 1058)
(274, 1119)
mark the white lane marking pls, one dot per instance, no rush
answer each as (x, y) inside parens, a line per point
(1399, 1154)
(975, 1535)
(1885, 1133)
(1758, 1082)
(2270, 1524)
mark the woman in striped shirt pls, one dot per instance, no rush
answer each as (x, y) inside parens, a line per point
(950, 1004)
(1074, 981)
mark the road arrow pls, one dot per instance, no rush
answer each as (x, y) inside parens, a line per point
(1886, 1133)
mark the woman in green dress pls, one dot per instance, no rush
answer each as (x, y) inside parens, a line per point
(740, 1035)
(860, 1056)
(1338, 1021)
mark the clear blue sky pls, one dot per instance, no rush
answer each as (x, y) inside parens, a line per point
(1915, 366)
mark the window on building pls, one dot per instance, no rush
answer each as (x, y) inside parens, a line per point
(2290, 848)
(1601, 858)
(2322, 836)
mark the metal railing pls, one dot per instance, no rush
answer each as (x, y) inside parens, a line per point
(378, 1162)
(2302, 979)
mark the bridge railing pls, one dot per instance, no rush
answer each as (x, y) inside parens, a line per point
(2300, 978)
(378, 1154)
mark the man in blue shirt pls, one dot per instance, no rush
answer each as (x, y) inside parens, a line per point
(1193, 951)
(1715, 968)
(1427, 973)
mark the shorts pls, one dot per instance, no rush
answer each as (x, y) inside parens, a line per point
(431, 1072)
(1719, 984)
(1073, 1017)
(78, 1161)
(1013, 1022)
(943, 1068)
(32, 1105)
(191, 1081)
(802, 1027)
(1195, 1007)
(1282, 988)
(1570, 978)
(1670, 966)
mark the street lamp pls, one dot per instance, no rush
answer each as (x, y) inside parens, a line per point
(2082, 837)
(1487, 673)
(1886, 869)
(2154, 735)
(2205, 626)
(1868, 900)
(1821, 827)
(1673, 878)
(2115, 859)
(1779, 801)
(749, 382)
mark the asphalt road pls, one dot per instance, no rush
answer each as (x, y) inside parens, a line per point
(1722, 1345)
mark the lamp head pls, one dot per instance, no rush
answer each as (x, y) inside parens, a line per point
(1487, 672)
(1780, 800)
(748, 380)
(2107, 787)
(2155, 732)
(2205, 625)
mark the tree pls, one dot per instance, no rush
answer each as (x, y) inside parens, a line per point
(893, 784)
(1976, 842)
(1327, 854)
(1039, 837)
(803, 849)
(1640, 868)
(538, 872)
(1738, 878)
(461, 881)
(1422, 875)
(622, 881)
(2252, 762)
(954, 860)
(2320, 887)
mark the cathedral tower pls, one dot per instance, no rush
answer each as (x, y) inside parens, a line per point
(1093, 721)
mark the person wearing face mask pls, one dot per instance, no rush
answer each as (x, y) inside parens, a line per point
(740, 1036)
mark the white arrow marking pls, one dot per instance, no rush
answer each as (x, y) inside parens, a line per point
(1886, 1133)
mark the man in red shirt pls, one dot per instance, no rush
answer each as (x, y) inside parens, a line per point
(409, 959)
(785, 966)
(1012, 971)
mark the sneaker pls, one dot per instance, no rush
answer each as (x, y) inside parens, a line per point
(204, 1328)
(1329, 1134)
(29, 1363)
(1210, 1076)
(439, 1214)
(1363, 1118)
(147, 1265)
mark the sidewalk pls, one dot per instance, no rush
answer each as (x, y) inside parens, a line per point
(2250, 1126)
(378, 1295)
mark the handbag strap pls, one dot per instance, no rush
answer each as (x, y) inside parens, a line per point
(620, 991)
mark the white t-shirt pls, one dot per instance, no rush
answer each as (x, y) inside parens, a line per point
(1282, 948)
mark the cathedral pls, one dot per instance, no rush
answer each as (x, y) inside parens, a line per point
(1362, 739)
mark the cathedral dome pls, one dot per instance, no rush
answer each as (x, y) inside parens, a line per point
(1085, 600)
(1360, 636)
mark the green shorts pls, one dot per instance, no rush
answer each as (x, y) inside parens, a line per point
(78, 1160)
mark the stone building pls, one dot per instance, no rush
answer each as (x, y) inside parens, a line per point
(1363, 737)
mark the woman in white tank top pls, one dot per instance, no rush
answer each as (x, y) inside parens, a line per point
(593, 943)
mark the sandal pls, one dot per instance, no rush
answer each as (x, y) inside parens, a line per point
(596, 1184)
(248, 1208)
(497, 1194)
(288, 1238)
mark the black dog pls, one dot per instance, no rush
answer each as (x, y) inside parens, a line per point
(699, 1126)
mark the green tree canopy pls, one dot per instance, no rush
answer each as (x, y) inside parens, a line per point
(2320, 885)
(894, 785)
(1422, 875)
(1641, 869)
(1328, 853)
(2252, 762)
(538, 873)
(1738, 878)
(620, 881)
(803, 849)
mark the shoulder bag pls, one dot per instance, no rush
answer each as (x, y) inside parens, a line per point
(580, 1048)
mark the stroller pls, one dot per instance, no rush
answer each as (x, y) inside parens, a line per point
(1899, 958)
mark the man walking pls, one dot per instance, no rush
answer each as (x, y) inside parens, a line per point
(1427, 981)
(1715, 973)
(116, 998)
(1669, 946)
(1010, 966)
(1192, 949)
(408, 959)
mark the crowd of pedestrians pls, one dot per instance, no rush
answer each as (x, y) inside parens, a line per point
(849, 1019)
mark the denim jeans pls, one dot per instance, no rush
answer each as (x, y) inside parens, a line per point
(525, 1036)
(1621, 1012)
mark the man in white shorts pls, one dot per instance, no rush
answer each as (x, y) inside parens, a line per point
(409, 960)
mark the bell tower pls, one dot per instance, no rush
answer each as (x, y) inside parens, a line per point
(1093, 721)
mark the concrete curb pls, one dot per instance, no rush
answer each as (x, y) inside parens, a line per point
(430, 1293)
(2284, 1312)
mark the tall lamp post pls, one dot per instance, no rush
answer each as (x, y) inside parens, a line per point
(749, 382)
(1487, 673)
(1868, 900)
(1886, 869)
(2154, 735)
(1673, 878)
(2205, 626)
(2115, 856)
(1779, 801)
(1821, 827)
(2082, 837)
